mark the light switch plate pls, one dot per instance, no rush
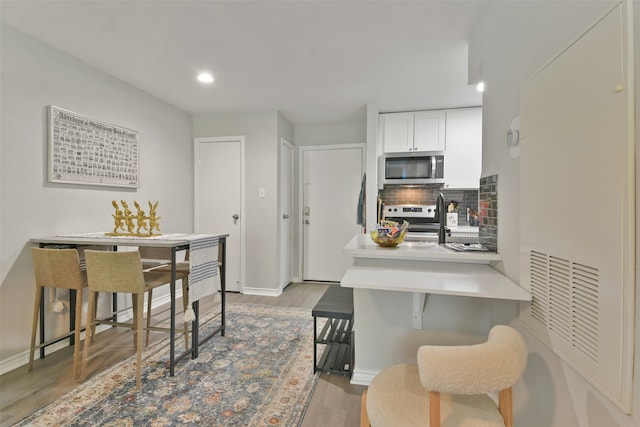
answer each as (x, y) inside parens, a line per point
(261, 192)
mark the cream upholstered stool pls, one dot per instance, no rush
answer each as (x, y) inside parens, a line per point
(59, 269)
(448, 386)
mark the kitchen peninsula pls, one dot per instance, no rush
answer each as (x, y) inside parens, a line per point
(415, 294)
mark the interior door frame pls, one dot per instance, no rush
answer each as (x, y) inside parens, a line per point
(301, 151)
(196, 187)
(284, 142)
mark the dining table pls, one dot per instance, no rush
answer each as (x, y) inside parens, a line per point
(204, 268)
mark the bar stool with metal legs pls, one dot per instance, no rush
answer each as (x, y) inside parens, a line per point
(160, 259)
(119, 272)
(57, 269)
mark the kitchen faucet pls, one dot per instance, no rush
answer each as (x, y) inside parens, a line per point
(440, 213)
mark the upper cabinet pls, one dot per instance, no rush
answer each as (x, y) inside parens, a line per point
(414, 131)
(457, 132)
(463, 157)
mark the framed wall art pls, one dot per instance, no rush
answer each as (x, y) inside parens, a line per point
(83, 150)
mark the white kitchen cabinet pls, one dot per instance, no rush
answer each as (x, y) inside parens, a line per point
(413, 131)
(429, 131)
(396, 130)
(463, 156)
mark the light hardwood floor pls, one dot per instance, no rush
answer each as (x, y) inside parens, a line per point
(335, 401)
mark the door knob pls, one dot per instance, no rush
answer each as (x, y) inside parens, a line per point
(235, 218)
(306, 221)
(285, 216)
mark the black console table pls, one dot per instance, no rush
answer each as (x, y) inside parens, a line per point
(336, 305)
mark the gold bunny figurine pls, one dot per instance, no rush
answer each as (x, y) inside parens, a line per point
(128, 217)
(154, 218)
(118, 217)
(141, 218)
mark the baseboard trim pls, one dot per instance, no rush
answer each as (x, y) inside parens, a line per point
(22, 359)
(262, 291)
(362, 377)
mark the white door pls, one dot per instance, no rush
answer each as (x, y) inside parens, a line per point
(285, 214)
(332, 179)
(219, 197)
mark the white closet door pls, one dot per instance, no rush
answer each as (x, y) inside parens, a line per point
(576, 212)
(219, 199)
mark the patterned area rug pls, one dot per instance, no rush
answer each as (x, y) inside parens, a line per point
(259, 374)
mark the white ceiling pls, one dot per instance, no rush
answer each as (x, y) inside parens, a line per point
(315, 61)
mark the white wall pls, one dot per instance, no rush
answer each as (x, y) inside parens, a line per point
(551, 393)
(334, 133)
(34, 76)
(261, 131)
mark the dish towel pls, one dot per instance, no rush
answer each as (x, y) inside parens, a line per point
(361, 202)
(204, 274)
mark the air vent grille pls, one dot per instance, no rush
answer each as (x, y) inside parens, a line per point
(565, 297)
(539, 291)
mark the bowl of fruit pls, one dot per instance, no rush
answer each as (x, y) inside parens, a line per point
(389, 233)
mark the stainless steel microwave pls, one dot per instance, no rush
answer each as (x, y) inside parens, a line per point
(413, 168)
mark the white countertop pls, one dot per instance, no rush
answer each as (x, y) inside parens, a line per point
(426, 268)
(361, 246)
(474, 280)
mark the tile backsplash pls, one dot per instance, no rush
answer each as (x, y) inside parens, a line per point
(428, 195)
(488, 210)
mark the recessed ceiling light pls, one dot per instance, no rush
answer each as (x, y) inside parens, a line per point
(205, 78)
(480, 87)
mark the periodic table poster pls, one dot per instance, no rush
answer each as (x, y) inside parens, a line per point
(83, 150)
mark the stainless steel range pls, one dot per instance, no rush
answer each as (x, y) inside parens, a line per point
(422, 219)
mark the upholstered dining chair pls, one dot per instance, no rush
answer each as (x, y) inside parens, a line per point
(119, 272)
(449, 385)
(57, 269)
(158, 259)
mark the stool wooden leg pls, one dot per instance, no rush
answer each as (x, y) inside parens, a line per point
(95, 315)
(364, 417)
(505, 400)
(91, 319)
(434, 409)
(149, 298)
(34, 326)
(76, 332)
(137, 314)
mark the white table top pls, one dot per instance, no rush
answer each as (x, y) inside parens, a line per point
(361, 246)
(100, 238)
